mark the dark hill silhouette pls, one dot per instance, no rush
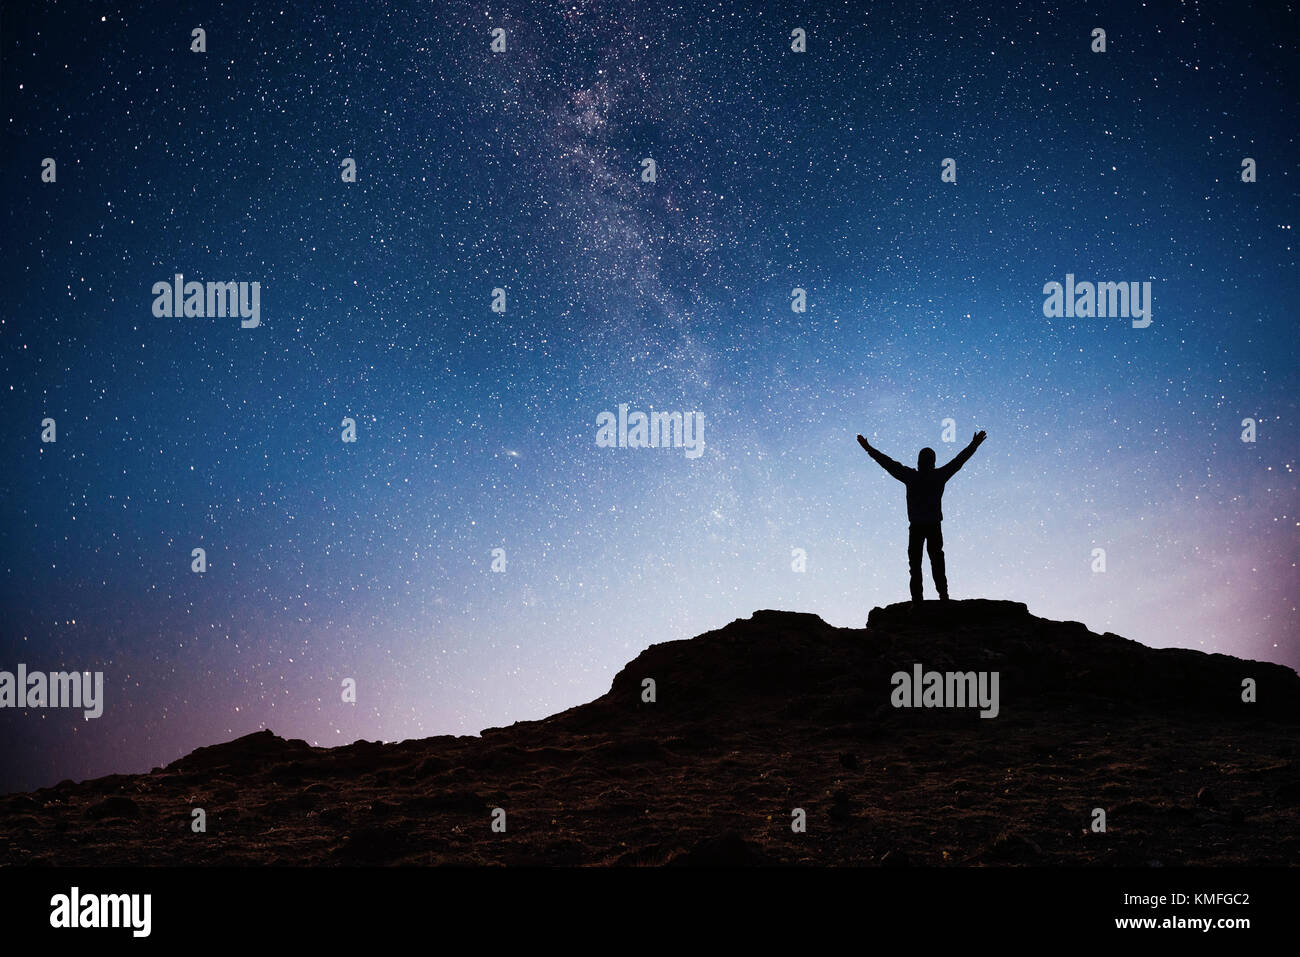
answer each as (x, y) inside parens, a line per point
(771, 713)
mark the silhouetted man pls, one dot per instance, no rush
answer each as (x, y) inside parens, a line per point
(924, 493)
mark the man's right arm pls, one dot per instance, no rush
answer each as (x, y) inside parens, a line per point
(949, 470)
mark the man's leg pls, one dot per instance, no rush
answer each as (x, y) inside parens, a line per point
(935, 538)
(915, 542)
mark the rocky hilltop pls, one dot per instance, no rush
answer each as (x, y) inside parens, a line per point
(748, 723)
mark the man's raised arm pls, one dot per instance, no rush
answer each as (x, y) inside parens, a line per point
(958, 460)
(889, 465)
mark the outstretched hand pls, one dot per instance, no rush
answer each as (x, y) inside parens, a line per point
(864, 443)
(980, 436)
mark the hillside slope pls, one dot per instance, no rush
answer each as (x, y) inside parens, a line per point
(771, 713)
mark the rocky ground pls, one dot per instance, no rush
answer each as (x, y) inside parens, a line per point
(772, 713)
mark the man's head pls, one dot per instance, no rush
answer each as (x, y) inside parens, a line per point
(925, 460)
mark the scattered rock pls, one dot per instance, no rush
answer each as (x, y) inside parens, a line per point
(632, 750)
(242, 755)
(373, 845)
(1289, 792)
(1015, 848)
(116, 806)
(431, 766)
(652, 855)
(729, 850)
(841, 806)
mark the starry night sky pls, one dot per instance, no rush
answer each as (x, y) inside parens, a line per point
(476, 429)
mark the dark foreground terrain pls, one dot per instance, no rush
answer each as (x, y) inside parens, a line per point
(776, 712)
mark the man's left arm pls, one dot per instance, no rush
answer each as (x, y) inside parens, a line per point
(896, 469)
